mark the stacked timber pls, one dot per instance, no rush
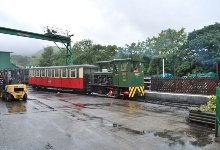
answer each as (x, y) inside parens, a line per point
(202, 117)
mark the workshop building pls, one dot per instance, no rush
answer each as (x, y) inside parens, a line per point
(5, 61)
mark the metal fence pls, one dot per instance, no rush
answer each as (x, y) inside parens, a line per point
(193, 85)
(217, 117)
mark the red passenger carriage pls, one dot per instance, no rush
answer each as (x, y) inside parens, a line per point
(75, 77)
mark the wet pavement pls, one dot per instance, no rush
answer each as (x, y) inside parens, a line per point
(48, 120)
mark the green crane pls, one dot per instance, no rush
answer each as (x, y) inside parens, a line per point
(50, 34)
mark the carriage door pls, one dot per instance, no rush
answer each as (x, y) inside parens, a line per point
(79, 74)
(116, 71)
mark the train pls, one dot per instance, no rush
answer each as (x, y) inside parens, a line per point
(119, 78)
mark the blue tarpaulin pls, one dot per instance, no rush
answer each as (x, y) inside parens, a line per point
(165, 75)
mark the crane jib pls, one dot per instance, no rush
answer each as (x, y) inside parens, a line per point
(66, 40)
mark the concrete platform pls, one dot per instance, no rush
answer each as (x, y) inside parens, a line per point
(178, 97)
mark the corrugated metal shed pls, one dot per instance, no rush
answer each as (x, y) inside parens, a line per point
(5, 60)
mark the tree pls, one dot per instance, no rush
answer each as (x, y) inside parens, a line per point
(121, 53)
(169, 41)
(155, 65)
(85, 52)
(19, 60)
(59, 58)
(167, 45)
(47, 57)
(204, 46)
(79, 49)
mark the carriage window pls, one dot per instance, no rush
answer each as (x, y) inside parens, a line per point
(87, 70)
(52, 73)
(31, 73)
(37, 73)
(49, 73)
(34, 73)
(56, 73)
(43, 73)
(72, 73)
(64, 73)
(90, 70)
(46, 73)
(67, 73)
(94, 70)
(124, 67)
(115, 68)
(141, 67)
(77, 72)
(135, 67)
(59, 72)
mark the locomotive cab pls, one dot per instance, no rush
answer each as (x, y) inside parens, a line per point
(128, 77)
(122, 78)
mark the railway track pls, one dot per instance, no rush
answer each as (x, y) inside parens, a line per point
(154, 101)
(168, 103)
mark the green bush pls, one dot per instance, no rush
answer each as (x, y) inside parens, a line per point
(209, 107)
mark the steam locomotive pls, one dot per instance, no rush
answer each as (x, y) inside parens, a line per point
(119, 78)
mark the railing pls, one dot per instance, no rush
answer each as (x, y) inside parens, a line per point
(217, 118)
(194, 85)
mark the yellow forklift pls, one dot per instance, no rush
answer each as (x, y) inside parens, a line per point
(10, 85)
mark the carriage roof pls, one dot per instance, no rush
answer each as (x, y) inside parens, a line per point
(71, 66)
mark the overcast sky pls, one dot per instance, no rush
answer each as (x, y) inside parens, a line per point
(107, 22)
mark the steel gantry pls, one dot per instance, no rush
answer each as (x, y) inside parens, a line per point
(50, 34)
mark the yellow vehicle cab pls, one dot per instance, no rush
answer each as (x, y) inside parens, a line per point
(10, 86)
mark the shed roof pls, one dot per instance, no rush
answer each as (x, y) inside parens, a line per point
(5, 52)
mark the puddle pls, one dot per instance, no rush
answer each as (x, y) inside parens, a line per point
(98, 105)
(135, 105)
(15, 107)
(131, 131)
(190, 140)
(118, 127)
(202, 137)
(132, 105)
(81, 105)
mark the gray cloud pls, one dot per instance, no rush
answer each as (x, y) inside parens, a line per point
(116, 22)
